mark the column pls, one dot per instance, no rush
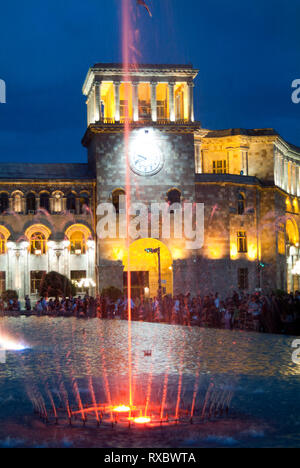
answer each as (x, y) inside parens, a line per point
(285, 175)
(23, 205)
(293, 178)
(117, 100)
(98, 115)
(297, 180)
(88, 111)
(172, 101)
(191, 101)
(51, 204)
(10, 204)
(281, 178)
(37, 203)
(64, 204)
(153, 101)
(135, 101)
(77, 205)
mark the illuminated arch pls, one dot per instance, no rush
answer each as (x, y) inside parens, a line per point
(78, 227)
(292, 232)
(78, 235)
(4, 235)
(141, 261)
(37, 228)
(37, 235)
(4, 232)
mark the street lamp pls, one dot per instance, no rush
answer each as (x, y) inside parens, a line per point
(157, 251)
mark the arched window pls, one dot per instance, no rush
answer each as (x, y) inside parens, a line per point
(37, 236)
(241, 203)
(77, 243)
(116, 198)
(4, 236)
(173, 196)
(17, 202)
(30, 203)
(3, 202)
(2, 244)
(79, 236)
(57, 202)
(38, 243)
(84, 203)
(45, 201)
(71, 202)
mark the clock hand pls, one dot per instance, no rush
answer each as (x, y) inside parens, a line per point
(143, 157)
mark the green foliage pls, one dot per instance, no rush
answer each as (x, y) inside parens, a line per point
(56, 285)
(9, 295)
(113, 293)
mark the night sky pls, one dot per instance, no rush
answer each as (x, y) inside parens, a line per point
(248, 54)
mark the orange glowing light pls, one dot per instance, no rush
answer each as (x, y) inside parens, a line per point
(121, 409)
(142, 420)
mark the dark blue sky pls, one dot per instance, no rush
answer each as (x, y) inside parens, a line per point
(248, 53)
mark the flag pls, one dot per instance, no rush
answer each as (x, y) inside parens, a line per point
(144, 4)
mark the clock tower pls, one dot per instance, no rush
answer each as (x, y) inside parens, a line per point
(156, 103)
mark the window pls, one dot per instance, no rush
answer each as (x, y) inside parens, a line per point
(2, 281)
(77, 276)
(36, 278)
(220, 167)
(71, 202)
(17, 203)
(144, 101)
(243, 283)
(77, 243)
(241, 203)
(57, 202)
(3, 202)
(38, 244)
(84, 203)
(2, 244)
(30, 203)
(124, 109)
(45, 202)
(174, 196)
(116, 198)
(242, 242)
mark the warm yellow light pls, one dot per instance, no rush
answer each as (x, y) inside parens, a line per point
(215, 252)
(142, 420)
(121, 409)
(252, 252)
(118, 254)
(177, 254)
(233, 251)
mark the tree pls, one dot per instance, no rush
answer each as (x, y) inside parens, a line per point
(54, 284)
(9, 295)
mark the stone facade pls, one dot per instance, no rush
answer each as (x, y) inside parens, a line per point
(142, 141)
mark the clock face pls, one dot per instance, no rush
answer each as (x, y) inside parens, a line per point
(146, 162)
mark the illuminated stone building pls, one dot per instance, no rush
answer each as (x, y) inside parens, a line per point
(248, 181)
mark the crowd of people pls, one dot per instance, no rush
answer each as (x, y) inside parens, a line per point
(256, 312)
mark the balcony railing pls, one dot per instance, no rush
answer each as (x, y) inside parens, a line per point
(112, 121)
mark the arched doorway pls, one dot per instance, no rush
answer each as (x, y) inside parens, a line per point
(292, 254)
(144, 268)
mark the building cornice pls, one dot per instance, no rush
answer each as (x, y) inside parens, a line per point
(118, 128)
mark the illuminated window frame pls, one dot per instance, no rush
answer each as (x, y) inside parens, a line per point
(220, 167)
(81, 247)
(242, 242)
(37, 236)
